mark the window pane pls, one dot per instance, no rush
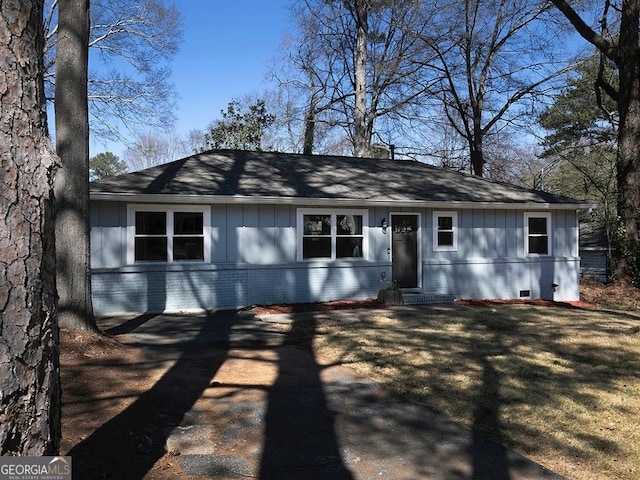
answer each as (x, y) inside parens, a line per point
(317, 224)
(445, 239)
(349, 224)
(151, 223)
(445, 223)
(537, 225)
(348, 247)
(188, 248)
(187, 223)
(316, 247)
(151, 249)
(539, 245)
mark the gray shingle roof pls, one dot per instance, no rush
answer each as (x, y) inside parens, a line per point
(268, 175)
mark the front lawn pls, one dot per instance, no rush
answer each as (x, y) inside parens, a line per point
(558, 384)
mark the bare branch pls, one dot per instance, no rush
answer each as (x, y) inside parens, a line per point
(586, 32)
(140, 36)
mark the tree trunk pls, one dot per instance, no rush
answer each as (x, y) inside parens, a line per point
(626, 55)
(30, 375)
(310, 126)
(309, 129)
(73, 264)
(477, 156)
(361, 140)
(628, 175)
(476, 94)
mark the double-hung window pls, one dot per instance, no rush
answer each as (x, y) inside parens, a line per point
(158, 233)
(331, 234)
(537, 233)
(445, 231)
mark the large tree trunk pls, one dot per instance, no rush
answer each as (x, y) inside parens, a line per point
(626, 56)
(73, 272)
(361, 139)
(29, 356)
(628, 176)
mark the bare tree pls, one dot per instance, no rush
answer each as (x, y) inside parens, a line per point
(362, 130)
(359, 65)
(150, 149)
(196, 140)
(73, 258)
(492, 65)
(29, 382)
(622, 48)
(286, 133)
(133, 42)
(308, 79)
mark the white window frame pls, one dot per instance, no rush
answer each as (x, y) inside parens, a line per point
(454, 225)
(169, 210)
(333, 212)
(547, 217)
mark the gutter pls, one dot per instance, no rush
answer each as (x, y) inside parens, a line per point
(347, 202)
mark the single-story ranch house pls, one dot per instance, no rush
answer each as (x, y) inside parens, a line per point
(228, 229)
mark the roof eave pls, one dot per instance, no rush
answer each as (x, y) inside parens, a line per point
(351, 202)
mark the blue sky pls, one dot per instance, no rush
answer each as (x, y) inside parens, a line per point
(225, 53)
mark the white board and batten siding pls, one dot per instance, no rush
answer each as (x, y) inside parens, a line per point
(490, 262)
(254, 260)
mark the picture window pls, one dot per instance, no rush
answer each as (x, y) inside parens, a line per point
(332, 234)
(168, 234)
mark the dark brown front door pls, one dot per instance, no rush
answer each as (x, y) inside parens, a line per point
(404, 240)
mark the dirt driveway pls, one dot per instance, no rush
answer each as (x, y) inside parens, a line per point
(231, 396)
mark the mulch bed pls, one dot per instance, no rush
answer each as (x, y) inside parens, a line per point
(372, 303)
(537, 303)
(593, 295)
(316, 307)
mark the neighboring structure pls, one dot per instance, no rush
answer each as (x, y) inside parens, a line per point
(594, 252)
(227, 229)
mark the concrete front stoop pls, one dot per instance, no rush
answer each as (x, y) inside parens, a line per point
(413, 296)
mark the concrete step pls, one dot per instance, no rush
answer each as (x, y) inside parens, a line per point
(420, 297)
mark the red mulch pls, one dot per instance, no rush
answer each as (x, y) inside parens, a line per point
(372, 303)
(592, 295)
(538, 303)
(316, 307)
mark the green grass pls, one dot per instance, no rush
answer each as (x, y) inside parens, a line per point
(560, 385)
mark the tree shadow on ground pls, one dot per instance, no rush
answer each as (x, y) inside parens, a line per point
(491, 368)
(300, 440)
(486, 418)
(133, 441)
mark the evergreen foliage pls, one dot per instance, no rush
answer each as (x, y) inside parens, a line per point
(240, 128)
(106, 164)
